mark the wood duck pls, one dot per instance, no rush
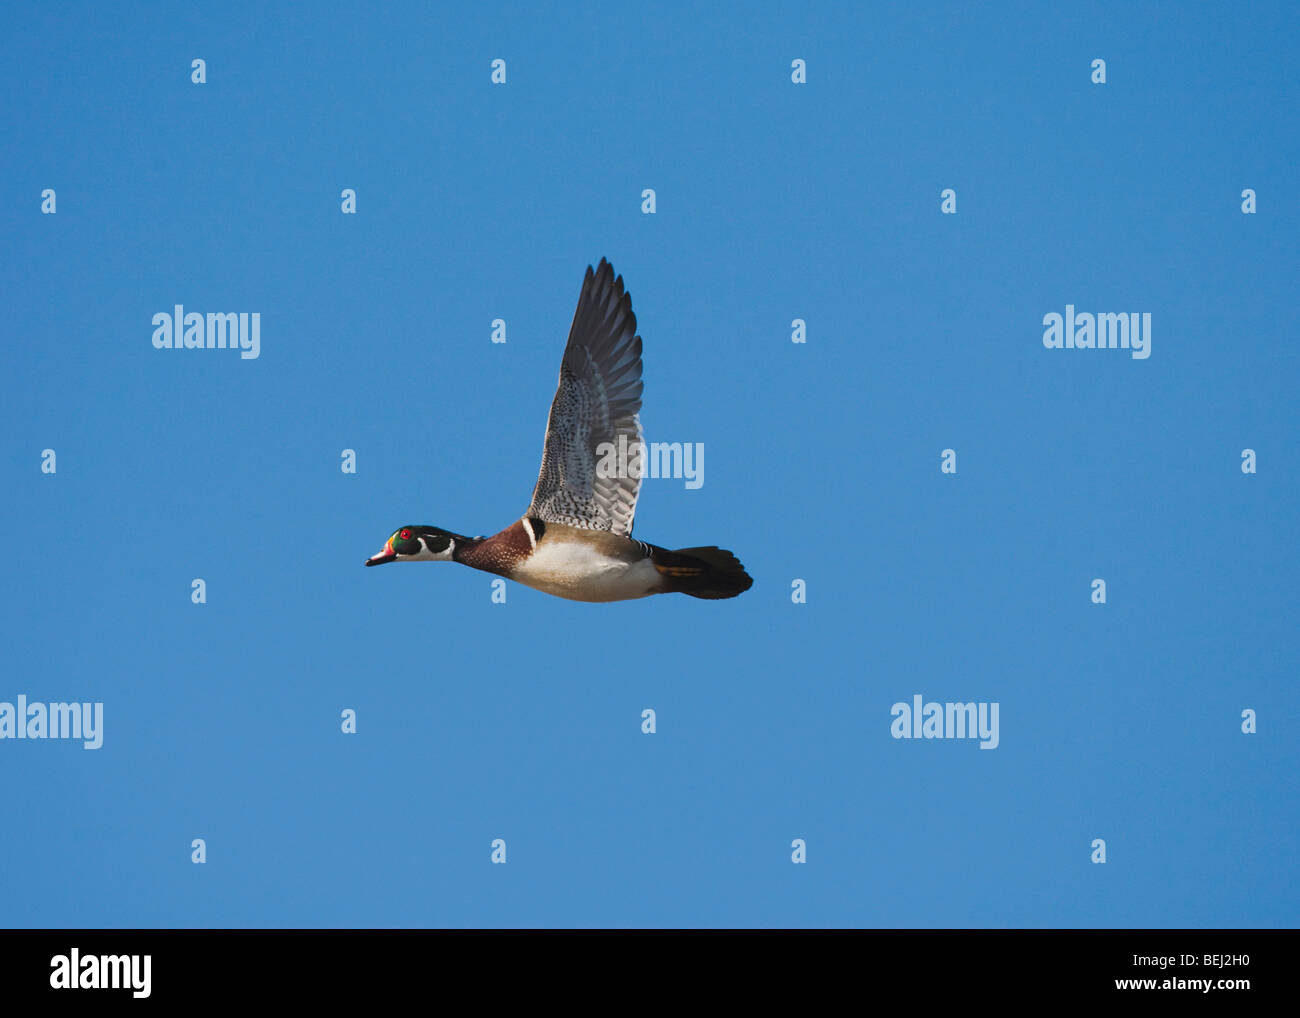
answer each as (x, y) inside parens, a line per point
(575, 541)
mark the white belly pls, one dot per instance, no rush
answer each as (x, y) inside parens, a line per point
(582, 573)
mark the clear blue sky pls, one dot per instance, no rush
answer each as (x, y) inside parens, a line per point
(521, 721)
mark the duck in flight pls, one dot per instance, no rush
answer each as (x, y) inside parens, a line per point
(575, 540)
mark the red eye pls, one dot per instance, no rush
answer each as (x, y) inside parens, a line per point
(405, 535)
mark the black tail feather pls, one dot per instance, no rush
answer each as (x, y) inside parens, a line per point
(711, 573)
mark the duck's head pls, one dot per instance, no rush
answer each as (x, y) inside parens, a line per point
(416, 544)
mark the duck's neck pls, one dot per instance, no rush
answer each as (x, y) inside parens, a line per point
(464, 548)
(500, 553)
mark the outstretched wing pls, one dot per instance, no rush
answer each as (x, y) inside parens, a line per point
(596, 403)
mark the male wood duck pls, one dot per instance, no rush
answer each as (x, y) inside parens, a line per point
(575, 540)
